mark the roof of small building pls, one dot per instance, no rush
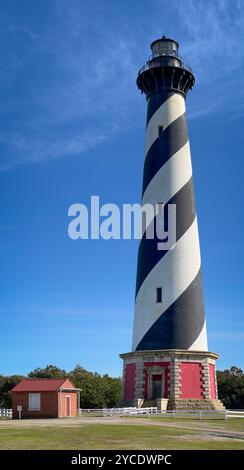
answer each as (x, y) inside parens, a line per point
(42, 385)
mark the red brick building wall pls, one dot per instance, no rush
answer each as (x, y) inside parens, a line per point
(54, 404)
(49, 405)
(65, 397)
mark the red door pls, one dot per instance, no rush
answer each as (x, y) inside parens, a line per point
(68, 406)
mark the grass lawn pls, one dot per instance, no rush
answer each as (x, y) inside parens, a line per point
(100, 436)
(233, 424)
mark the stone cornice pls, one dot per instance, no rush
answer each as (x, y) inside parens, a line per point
(171, 353)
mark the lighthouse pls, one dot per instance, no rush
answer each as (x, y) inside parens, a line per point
(169, 364)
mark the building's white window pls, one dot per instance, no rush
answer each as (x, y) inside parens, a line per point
(34, 401)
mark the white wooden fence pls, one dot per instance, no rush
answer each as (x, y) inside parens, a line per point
(133, 411)
(235, 414)
(5, 413)
(116, 411)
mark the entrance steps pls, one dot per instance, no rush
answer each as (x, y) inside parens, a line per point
(149, 403)
(193, 404)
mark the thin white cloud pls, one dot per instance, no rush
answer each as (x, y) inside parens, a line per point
(88, 97)
(214, 34)
(36, 149)
(88, 91)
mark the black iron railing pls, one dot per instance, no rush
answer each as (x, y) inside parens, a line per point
(150, 64)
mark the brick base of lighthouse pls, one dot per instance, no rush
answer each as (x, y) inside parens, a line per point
(185, 379)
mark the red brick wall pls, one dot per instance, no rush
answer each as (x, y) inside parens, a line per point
(191, 380)
(129, 384)
(166, 383)
(49, 405)
(63, 403)
(213, 394)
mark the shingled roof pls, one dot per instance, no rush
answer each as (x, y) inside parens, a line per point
(41, 385)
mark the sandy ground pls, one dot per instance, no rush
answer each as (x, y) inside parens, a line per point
(208, 430)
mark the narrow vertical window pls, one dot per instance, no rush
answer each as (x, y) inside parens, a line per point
(159, 295)
(160, 132)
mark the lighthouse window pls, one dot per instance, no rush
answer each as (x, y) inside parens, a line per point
(160, 132)
(159, 294)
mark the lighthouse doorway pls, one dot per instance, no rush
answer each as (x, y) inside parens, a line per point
(155, 382)
(156, 386)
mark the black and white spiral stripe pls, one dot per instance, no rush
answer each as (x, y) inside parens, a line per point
(178, 322)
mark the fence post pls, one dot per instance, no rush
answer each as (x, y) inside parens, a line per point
(226, 415)
(200, 414)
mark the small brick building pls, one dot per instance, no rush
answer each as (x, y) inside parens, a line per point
(45, 398)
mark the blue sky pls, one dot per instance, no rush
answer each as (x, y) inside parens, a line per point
(72, 125)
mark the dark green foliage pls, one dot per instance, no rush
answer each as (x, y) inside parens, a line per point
(48, 373)
(231, 387)
(97, 391)
(6, 385)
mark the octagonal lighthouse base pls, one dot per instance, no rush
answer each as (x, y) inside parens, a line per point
(174, 378)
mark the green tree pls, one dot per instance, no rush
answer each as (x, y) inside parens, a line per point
(231, 387)
(79, 374)
(97, 391)
(6, 385)
(48, 372)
